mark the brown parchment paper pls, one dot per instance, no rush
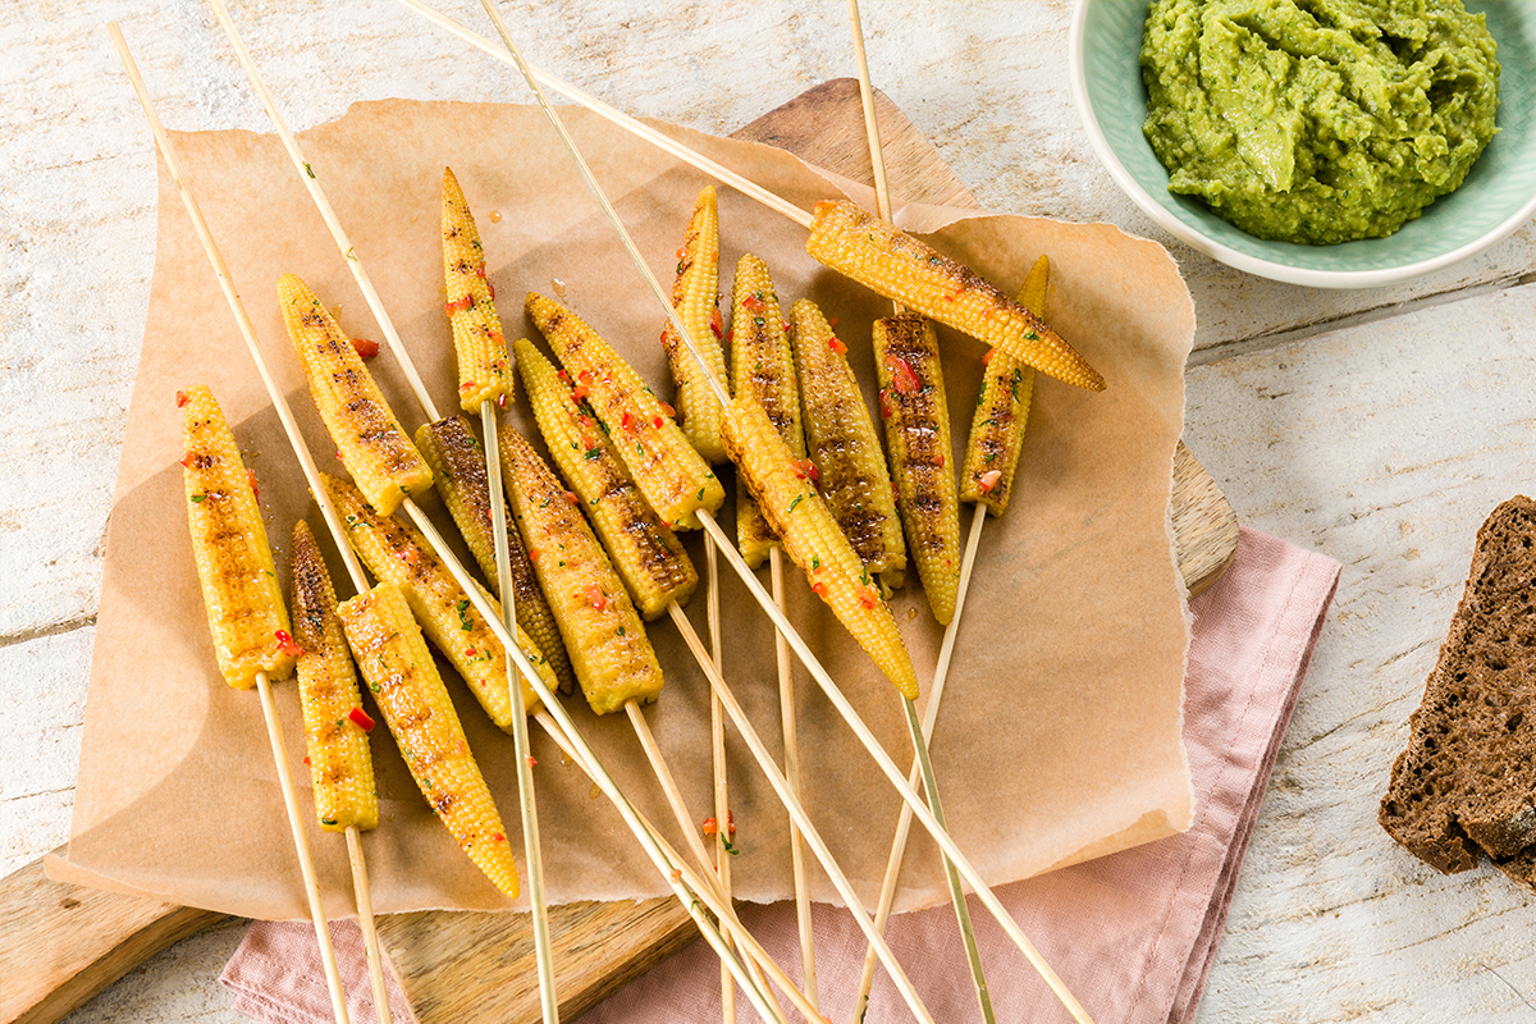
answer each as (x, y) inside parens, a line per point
(1059, 737)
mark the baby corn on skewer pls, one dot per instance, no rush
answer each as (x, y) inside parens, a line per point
(917, 423)
(335, 731)
(246, 614)
(373, 446)
(394, 660)
(997, 432)
(335, 726)
(643, 549)
(763, 371)
(842, 443)
(485, 383)
(916, 416)
(395, 552)
(697, 300)
(485, 375)
(690, 889)
(458, 464)
(763, 367)
(674, 478)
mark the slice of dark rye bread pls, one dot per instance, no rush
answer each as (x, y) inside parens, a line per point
(1467, 782)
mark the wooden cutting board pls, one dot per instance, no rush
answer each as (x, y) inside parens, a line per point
(62, 944)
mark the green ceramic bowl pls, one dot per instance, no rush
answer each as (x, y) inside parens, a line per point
(1498, 196)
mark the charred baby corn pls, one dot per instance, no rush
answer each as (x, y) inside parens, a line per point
(484, 372)
(395, 663)
(916, 415)
(763, 368)
(812, 540)
(335, 725)
(603, 633)
(246, 614)
(1002, 411)
(458, 468)
(844, 448)
(674, 478)
(396, 553)
(644, 550)
(372, 444)
(696, 298)
(898, 266)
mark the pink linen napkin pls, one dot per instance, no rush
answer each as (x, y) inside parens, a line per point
(1132, 935)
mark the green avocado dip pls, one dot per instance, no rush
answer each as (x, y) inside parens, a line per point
(1318, 121)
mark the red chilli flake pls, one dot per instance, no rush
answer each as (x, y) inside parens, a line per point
(819, 588)
(250, 476)
(868, 598)
(989, 480)
(532, 760)
(365, 347)
(657, 422)
(498, 837)
(181, 399)
(837, 346)
(717, 323)
(986, 357)
(359, 716)
(666, 408)
(628, 423)
(578, 393)
(570, 496)
(596, 597)
(286, 645)
(903, 377)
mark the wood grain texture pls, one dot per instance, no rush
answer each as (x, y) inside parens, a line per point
(459, 967)
(76, 941)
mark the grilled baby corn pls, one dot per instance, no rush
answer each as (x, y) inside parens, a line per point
(396, 553)
(674, 478)
(917, 434)
(644, 550)
(763, 368)
(397, 667)
(844, 447)
(893, 263)
(376, 451)
(245, 608)
(812, 540)
(697, 301)
(335, 725)
(484, 373)
(1002, 410)
(458, 469)
(609, 650)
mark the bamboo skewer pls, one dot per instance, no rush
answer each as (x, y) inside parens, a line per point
(920, 733)
(268, 703)
(544, 956)
(723, 846)
(924, 815)
(665, 859)
(301, 846)
(792, 775)
(343, 245)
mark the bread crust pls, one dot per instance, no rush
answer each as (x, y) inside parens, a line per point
(1466, 784)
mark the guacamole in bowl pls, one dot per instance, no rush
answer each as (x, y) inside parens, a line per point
(1318, 122)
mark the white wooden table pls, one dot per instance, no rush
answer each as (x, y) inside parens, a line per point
(1379, 427)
